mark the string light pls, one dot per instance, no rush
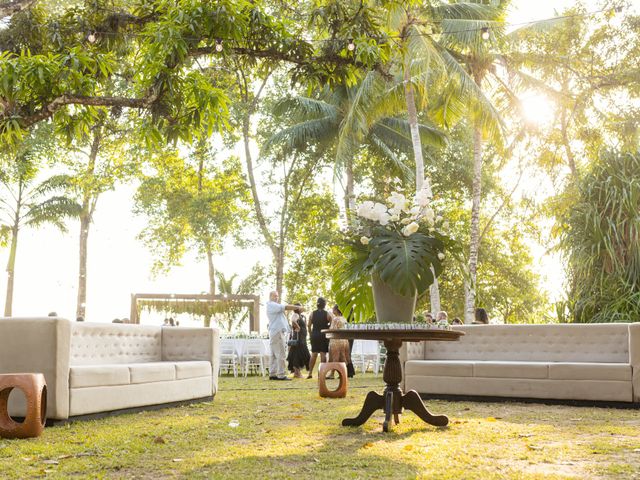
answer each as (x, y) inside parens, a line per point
(485, 33)
(351, 46)
(91, 38)
(218, 44)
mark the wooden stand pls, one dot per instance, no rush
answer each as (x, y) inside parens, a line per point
(393, 400)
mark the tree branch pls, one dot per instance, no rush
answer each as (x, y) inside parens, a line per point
(52, 107)
(15, 6)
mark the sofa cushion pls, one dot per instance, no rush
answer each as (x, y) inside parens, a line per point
(590, 371)
(81, 376)
(451, 368)
(511, 369)
(152, 372)
(192, 369)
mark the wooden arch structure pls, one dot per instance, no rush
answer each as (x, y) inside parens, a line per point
(161, 299)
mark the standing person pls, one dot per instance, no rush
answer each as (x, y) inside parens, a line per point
(278, 331)
(299, 355)
(481, 316)
(319, 320)
(338, 347)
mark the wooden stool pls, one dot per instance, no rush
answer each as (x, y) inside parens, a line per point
(34, 388)
(341, 369)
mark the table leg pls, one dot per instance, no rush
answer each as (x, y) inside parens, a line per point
(412, 401)
(388, 410)
(373, 402)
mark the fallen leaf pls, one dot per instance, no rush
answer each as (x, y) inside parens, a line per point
(525, 435)
(51, 462)
(316, 460)
(490, 419)
(408, 447)
(297, 417)
(159, 440)
(368, 445)
(534, 447)
(61, 457)
(177, 459)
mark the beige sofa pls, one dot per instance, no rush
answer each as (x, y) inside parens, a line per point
(594, 362)
(103, 367)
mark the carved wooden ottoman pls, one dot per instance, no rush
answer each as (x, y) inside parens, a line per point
(34, 388)
(341, 369)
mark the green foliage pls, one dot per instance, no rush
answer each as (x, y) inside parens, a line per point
(313, 232)
(600, 235)
(192, 202)
(228, 313)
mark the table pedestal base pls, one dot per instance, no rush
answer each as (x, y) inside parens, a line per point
(393, 401)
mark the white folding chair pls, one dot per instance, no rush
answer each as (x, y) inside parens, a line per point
(357, 357)
(371, 355)
(228, 356)
(253, 356)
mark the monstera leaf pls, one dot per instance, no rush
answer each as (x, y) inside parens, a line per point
(351, 285)
(405, 263)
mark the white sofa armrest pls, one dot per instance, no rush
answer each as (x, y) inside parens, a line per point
(183, 343)
(38, 345)
(634, 358)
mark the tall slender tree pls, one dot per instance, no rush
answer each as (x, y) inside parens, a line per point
(25, 202)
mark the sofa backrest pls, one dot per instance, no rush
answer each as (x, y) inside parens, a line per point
(105, 343)
(591, 342)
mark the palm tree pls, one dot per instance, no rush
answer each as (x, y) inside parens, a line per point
(423, 61)
(25, 204)
(472, 42)
(342, 121)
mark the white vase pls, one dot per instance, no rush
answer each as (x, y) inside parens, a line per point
(390, 306)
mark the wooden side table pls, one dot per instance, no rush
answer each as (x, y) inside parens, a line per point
(34, 387)
(393, 400)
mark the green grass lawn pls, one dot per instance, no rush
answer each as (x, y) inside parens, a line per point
(260, 429)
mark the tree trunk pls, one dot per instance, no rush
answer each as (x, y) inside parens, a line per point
(212, 272)
(474, 242)
(350, 196)
(81, 303)
(434, 290)
(11, 263)
(279, 260)
(89, 199)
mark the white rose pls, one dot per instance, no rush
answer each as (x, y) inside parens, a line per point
(364, 240)
(441, 256)
(384, 218)
(394, 217)
(410, 229)
(364, 210)
(445, 225)
(438, 219)
(429, 215)
(405, 221)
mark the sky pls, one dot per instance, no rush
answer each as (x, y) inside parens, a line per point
(119, 265)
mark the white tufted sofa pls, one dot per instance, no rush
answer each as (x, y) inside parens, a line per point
(595, 362)
(97, 367)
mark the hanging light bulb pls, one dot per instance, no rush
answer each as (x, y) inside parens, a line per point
(485, 33)
(91, 38)
(218, 44)
(617, 9)
(351, 46)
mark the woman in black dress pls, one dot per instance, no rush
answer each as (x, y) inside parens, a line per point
(319, 320)
(299, 355)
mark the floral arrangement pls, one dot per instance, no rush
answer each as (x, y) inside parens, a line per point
(401, 241)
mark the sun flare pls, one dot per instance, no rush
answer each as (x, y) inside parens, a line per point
(537, 109)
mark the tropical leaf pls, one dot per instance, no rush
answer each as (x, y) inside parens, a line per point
(405, 263)
(351, 283)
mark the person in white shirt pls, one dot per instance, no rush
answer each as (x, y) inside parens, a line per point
(278, 333)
